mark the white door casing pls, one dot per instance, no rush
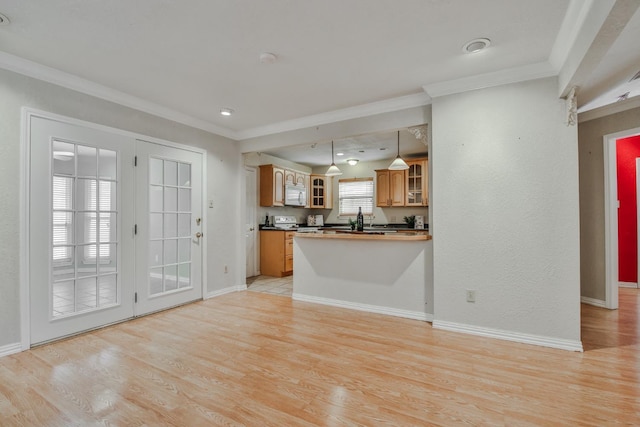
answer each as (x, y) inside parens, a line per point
(78, 229)
(251, 226)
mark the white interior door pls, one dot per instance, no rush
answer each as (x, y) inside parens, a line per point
(169, 227)
(81, 247)
(250, 221)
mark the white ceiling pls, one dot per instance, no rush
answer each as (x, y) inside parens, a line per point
(185, 60)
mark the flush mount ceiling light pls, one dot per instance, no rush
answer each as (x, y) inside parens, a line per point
(398, 164)
(267, 58)
(333, 169)
(226, 111)
(4, 20)
(476, 45)
(340, 153)
(352, 162)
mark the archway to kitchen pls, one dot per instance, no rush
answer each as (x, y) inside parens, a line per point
(305, 166)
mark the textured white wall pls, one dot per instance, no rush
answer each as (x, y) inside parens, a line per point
(505, 211)
(225, 178)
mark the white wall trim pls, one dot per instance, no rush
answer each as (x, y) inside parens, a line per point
(223, 291)
(509, 336)
(593, 301)
(8, 349)
(70, 81)
(607, 110)
(627, 285)
(358, 111)
(415, 315)
(497, 78)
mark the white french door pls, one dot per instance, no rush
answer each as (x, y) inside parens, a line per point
(169, 218)
(108, 240)
(81, 245)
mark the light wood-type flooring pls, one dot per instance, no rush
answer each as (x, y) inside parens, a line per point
(257, 359)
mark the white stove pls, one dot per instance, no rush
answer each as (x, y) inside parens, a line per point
(285, 222)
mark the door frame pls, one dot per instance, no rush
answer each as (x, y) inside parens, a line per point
(27, 114)
(253, 170)
(611, 215)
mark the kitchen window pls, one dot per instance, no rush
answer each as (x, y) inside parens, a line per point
(354, 193)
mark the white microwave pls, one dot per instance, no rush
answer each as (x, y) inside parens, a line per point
(295, 195)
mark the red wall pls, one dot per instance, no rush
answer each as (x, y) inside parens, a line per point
(627, 149)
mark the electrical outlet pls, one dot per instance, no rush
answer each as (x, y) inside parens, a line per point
(226, 269)
(211, 203)
(471, 295)
(393, 219)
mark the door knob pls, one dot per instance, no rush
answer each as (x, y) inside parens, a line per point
(251, 229)
(198, 234)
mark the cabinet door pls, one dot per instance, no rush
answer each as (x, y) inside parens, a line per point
(317, 192)
(278, 187)
(328, 192)
(382, 188)
(396, 188)
(416, 183)
(289, 177)
(307, 185)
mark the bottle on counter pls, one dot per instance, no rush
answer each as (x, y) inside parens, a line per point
(360, 220)
(266, 221)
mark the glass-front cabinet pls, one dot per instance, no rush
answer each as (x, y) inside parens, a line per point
(321, 195)
(417, 183)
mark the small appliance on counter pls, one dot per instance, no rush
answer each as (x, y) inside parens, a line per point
(315, 220)
(419, 222)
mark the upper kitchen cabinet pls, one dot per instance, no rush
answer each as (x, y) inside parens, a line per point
(271, 185)
(289, 177)
(390, 185)
(417, 183)
(321, 192)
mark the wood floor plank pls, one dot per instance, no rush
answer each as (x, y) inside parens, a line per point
(248, 359)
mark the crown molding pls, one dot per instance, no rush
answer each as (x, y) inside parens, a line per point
(70, 81)
(607, 110)
(497, 78)
(365, 110)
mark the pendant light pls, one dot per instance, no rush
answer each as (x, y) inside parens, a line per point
(398, 164)
(333, 169)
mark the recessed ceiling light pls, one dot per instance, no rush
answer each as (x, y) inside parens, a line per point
(476, 45)
(340, 154)
(4, 20)
(352, 162)
(383, 148)
(267, 58)
(226, 111)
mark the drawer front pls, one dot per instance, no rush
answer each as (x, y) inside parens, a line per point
(288, 235)
(288, 247)
(288, 263)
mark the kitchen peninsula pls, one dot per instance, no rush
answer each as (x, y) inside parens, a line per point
(381, 272)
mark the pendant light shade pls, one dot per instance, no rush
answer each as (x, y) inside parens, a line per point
(333, 169)
(398, 164)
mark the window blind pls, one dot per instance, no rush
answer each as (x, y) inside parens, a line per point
(355, 193)
(62, 217)
(99, 197)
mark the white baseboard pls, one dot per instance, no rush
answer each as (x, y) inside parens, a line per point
(509, 335)
(8, 349)
(593, 301)
(627, 285)
(416, 315)
(224, 291)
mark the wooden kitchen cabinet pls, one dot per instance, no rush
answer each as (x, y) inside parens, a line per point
(271, 185)
(276, 253)
(321, 193)
(417, 183)
(289, 177)
(390, 185)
